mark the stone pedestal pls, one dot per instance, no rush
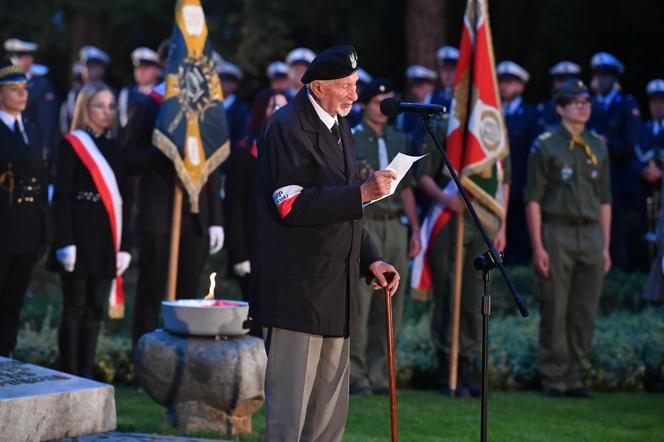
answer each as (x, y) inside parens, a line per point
(37, 403)
(207, 384)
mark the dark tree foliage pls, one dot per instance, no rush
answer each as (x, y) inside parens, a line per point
(251, 33)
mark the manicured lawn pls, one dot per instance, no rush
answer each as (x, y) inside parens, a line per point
(428, 416)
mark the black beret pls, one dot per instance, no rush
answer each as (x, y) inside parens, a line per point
(377, 86)
(10, 73)
(570, 89)
(331, 64)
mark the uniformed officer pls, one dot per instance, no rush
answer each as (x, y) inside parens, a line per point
(568, 198)
(448, 57)
(363, 79)
(237, 111)
(377, 144)
(24, 223)
(147, 73)
(298, 60)
(313, 251)
(277, 74)
(649, 163)
(522, 129)
(42, 102)
(434, 182)
(201, 233)
(94, 63)
(421, 84)
(559, 73)
(616, 117)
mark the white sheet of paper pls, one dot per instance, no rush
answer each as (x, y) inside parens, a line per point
(400, 165)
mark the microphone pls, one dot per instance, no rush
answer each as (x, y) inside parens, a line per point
(392, 107)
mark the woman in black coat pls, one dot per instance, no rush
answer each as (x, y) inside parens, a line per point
(240, 201)
(86, 251)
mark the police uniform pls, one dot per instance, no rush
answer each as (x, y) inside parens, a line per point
(409, 122)
(139, 57)
(42, 105)
(154, 218)
(277, 71)
(24, 220)
(313, 252)
(382, 220)
(298, 56)
(87, 54)
(237, 111)
(569, 178)
(522, 129)
(447, 56)
(81, 220)
(616, 116)
(562, 71)
(442, 261)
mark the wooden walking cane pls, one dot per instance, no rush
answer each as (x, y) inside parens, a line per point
(175, 243)
(456, 305)
(390, 360)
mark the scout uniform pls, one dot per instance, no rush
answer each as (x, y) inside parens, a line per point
(24, 221)
(569, 177)
(442, 261)
(382, 219)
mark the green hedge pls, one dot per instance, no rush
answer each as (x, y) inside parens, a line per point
(628, 352)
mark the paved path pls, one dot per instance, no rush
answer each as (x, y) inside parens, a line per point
(134, 437)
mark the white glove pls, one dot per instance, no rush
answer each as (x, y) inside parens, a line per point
(216, 238)
(67, 257)
(122, 261)
(242, 268)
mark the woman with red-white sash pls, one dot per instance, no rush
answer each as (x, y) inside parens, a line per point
(90, 244)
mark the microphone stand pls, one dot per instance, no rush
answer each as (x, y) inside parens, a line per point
(486, 262)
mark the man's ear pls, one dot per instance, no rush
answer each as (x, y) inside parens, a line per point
(316, 88)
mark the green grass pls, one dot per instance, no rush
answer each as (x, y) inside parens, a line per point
(428, 416)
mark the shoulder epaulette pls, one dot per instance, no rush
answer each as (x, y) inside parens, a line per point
(545, 135)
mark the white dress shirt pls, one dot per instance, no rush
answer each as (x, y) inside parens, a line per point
(9, 121)
(327, 119)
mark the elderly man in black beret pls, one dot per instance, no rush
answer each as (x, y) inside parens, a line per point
(312, 251)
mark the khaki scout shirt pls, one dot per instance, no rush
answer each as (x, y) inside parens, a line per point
(432, 165)
(366, 143)
(563, 180)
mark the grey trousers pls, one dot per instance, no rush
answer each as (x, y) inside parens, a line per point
(306, 387)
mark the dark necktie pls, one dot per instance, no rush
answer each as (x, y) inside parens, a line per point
(337, 135)
(17, 132)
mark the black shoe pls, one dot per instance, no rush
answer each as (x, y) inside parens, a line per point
(467, 379)
(553, 392)
(579, 393)
(460, 393)
(360, 391)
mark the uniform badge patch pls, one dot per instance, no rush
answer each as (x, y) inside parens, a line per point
(566, 173)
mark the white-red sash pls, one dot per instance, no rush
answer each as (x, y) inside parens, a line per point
(107, 186)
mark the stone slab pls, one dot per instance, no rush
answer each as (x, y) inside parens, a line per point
(38, 403)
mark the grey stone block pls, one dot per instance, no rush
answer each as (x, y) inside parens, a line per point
(38, 403)
(207, 384)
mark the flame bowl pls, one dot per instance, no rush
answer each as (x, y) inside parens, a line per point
(203, 317)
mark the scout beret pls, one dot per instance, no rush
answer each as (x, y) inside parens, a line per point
(11, 73)
(570, 89)
(331, 64)
(377, 86)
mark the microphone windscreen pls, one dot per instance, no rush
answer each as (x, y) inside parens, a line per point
(390, 107)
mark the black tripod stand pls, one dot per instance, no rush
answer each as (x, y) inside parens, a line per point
(486, 262)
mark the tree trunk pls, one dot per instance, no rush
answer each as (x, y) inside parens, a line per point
(425, 30)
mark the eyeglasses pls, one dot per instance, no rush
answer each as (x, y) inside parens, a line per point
(580, 104)
(101, 107)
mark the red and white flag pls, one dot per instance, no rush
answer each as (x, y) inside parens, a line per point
(476, 136)
(107, 186)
